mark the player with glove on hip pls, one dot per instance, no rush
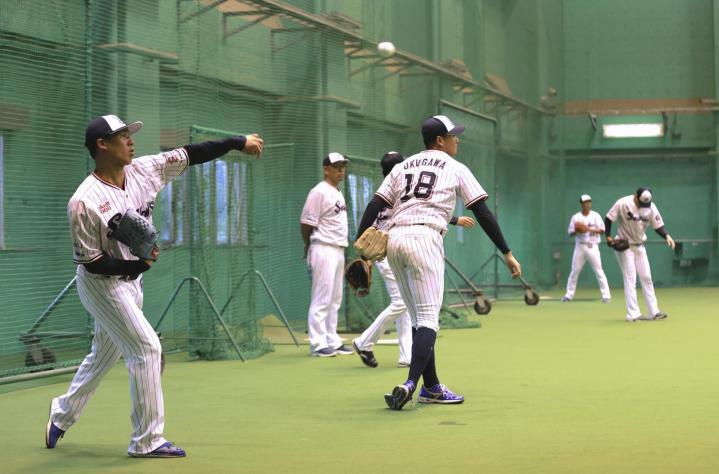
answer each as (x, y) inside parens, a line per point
(396, 311)
(114, 244)
(634, 213)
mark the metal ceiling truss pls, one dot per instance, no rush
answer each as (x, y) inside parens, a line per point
(357, 48)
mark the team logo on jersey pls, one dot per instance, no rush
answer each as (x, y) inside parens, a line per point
(632, 217)
(104, 207)
(339, 207)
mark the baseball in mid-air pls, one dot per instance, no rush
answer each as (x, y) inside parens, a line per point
(386, 49)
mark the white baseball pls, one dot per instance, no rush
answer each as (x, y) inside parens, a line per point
(386, 49)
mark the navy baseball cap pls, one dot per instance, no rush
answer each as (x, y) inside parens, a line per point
(105, 126)
(388, 161)
(644, 196)
(437, 126)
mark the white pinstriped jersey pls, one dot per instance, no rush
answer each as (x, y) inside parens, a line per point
(633, 220)
(593, 219)
(423, 189)
(96, 202)
(326, 211)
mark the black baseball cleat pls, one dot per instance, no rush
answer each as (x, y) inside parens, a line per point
(367, 357)
(400, 395)
(659, 316)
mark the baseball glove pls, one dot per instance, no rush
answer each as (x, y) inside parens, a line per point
(580, 227)
(620, 245)
(359, 276)
(372, 244)
(135, 231)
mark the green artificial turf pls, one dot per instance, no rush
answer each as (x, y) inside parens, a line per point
(556, 388)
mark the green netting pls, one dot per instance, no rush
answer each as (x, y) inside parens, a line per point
(306, 75)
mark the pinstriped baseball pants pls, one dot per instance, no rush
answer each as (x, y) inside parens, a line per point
(121, 329)
(416, 256)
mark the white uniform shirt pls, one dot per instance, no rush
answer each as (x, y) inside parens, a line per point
(633, 220)
(326, 211)
(423, 189)
(96, 202)
(593, 219)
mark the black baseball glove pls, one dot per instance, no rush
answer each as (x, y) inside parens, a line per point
(359, 276)
(619, 245)
(135, 231)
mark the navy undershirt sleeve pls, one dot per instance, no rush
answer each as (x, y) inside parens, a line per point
(199, 153)
(490, 225)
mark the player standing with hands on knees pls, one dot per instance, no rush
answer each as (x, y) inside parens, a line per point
(114, 244)
(634, 213)
(586, 227)
(324, 232)
(422, 193)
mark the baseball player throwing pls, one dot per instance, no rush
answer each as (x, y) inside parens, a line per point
(422, 193)
(118, 197)
(586, 227)
(396, 311)
(324, 231)
(634, 213)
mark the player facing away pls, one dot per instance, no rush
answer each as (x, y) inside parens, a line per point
(109, 276)
(324, 231)
(396, 311)
(634, 213)
(422, 193)
(586, 227)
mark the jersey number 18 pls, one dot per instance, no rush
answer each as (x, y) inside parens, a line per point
(423, 189)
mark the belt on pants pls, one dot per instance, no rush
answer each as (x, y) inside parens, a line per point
(431, 226)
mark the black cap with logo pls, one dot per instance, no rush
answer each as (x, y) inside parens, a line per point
(105, 126)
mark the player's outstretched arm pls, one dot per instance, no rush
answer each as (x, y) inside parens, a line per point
(199, 153)
(491, 227)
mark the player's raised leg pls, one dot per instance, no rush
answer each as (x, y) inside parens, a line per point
(66, 409)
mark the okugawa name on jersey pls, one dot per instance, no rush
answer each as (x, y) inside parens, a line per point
(423, 189)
